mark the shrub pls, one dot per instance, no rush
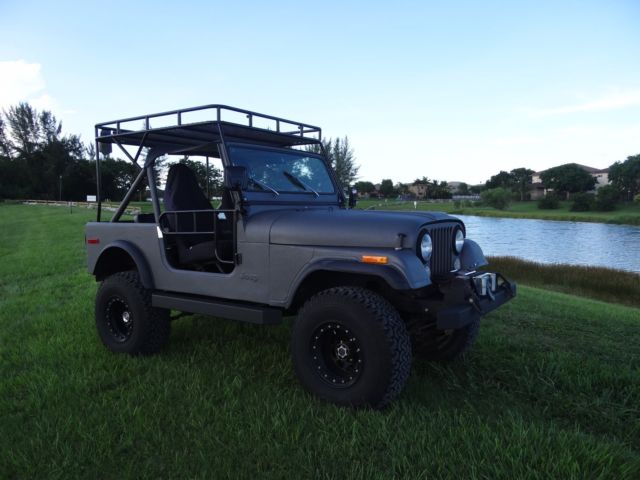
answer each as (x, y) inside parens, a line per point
(583, 202)
(549, 202)
(606, 198)
(498, 198)
(636, 199)
(456, 203)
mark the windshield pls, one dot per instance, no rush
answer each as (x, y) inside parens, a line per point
(292, 171)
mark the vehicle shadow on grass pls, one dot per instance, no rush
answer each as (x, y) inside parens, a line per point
(254, 349)
(258, 351)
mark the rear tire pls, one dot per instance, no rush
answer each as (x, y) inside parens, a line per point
(349, 346)
(125, 320)
(441, 345)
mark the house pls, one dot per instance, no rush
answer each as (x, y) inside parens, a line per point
(418, 190)
(454, 187)
(537, 189)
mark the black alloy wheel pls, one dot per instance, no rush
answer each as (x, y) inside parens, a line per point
(119, 319)
(336, 354)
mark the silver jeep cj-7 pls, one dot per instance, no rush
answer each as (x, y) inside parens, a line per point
(366, 287)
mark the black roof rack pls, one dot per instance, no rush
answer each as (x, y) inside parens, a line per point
(198, 130)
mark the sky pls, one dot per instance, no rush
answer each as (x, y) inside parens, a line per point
(452, 91)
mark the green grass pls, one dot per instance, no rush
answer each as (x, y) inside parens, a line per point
(595, 282)
(624, 214)
(552, 389)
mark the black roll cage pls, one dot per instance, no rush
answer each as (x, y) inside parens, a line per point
(174, 134)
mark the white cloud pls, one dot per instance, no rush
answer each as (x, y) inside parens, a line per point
(21, 81)
(609, 101)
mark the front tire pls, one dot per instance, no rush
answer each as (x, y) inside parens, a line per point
(350, 347)
(125, 320)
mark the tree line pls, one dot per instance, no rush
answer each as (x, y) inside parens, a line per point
(569, 181)
(38, 161)
(434, 189)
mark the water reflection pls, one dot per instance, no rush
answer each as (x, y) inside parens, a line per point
(545, 241)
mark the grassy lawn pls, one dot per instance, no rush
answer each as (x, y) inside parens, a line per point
(624, 214)
(552, 389)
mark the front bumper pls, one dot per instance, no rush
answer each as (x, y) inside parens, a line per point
(463, 302)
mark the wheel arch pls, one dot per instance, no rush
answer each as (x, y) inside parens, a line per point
(381, 279)
(120, 256)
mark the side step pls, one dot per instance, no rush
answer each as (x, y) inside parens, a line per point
(217, 308)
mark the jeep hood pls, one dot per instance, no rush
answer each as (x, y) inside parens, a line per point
(346, 228)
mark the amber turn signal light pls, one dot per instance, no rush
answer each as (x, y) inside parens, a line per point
(381, 260)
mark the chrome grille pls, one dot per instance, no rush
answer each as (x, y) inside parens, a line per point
(442, 256)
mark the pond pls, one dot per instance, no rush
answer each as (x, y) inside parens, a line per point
(546, 241)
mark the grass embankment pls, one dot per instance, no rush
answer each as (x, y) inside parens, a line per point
(594, 282)
(552, 389)
(624, 214)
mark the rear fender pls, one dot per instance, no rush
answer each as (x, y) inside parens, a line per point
(119, 256)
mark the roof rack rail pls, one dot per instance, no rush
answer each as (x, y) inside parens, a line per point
(191, 125)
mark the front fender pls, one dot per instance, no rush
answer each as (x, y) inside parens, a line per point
(403, 272)
(472, 257)
(389, 273)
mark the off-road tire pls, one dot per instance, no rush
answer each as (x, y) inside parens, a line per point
(373, 327)
(441, 345)
(147, 329)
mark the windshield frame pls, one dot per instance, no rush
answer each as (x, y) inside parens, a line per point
(287, 151)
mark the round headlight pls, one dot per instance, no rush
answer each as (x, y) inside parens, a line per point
(426, 247)
(458, 241)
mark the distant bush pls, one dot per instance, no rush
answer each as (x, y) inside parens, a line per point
(456, 203)
(498, 198)
(636, 199)
(583, 202)
(549, 202)
(606, 198)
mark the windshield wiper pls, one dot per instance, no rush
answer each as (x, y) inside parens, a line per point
(299, 183)
(264, 186)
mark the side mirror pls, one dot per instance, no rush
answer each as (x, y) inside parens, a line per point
(353, 197)
(235, 178)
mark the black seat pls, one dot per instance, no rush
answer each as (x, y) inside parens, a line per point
(182, 193)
